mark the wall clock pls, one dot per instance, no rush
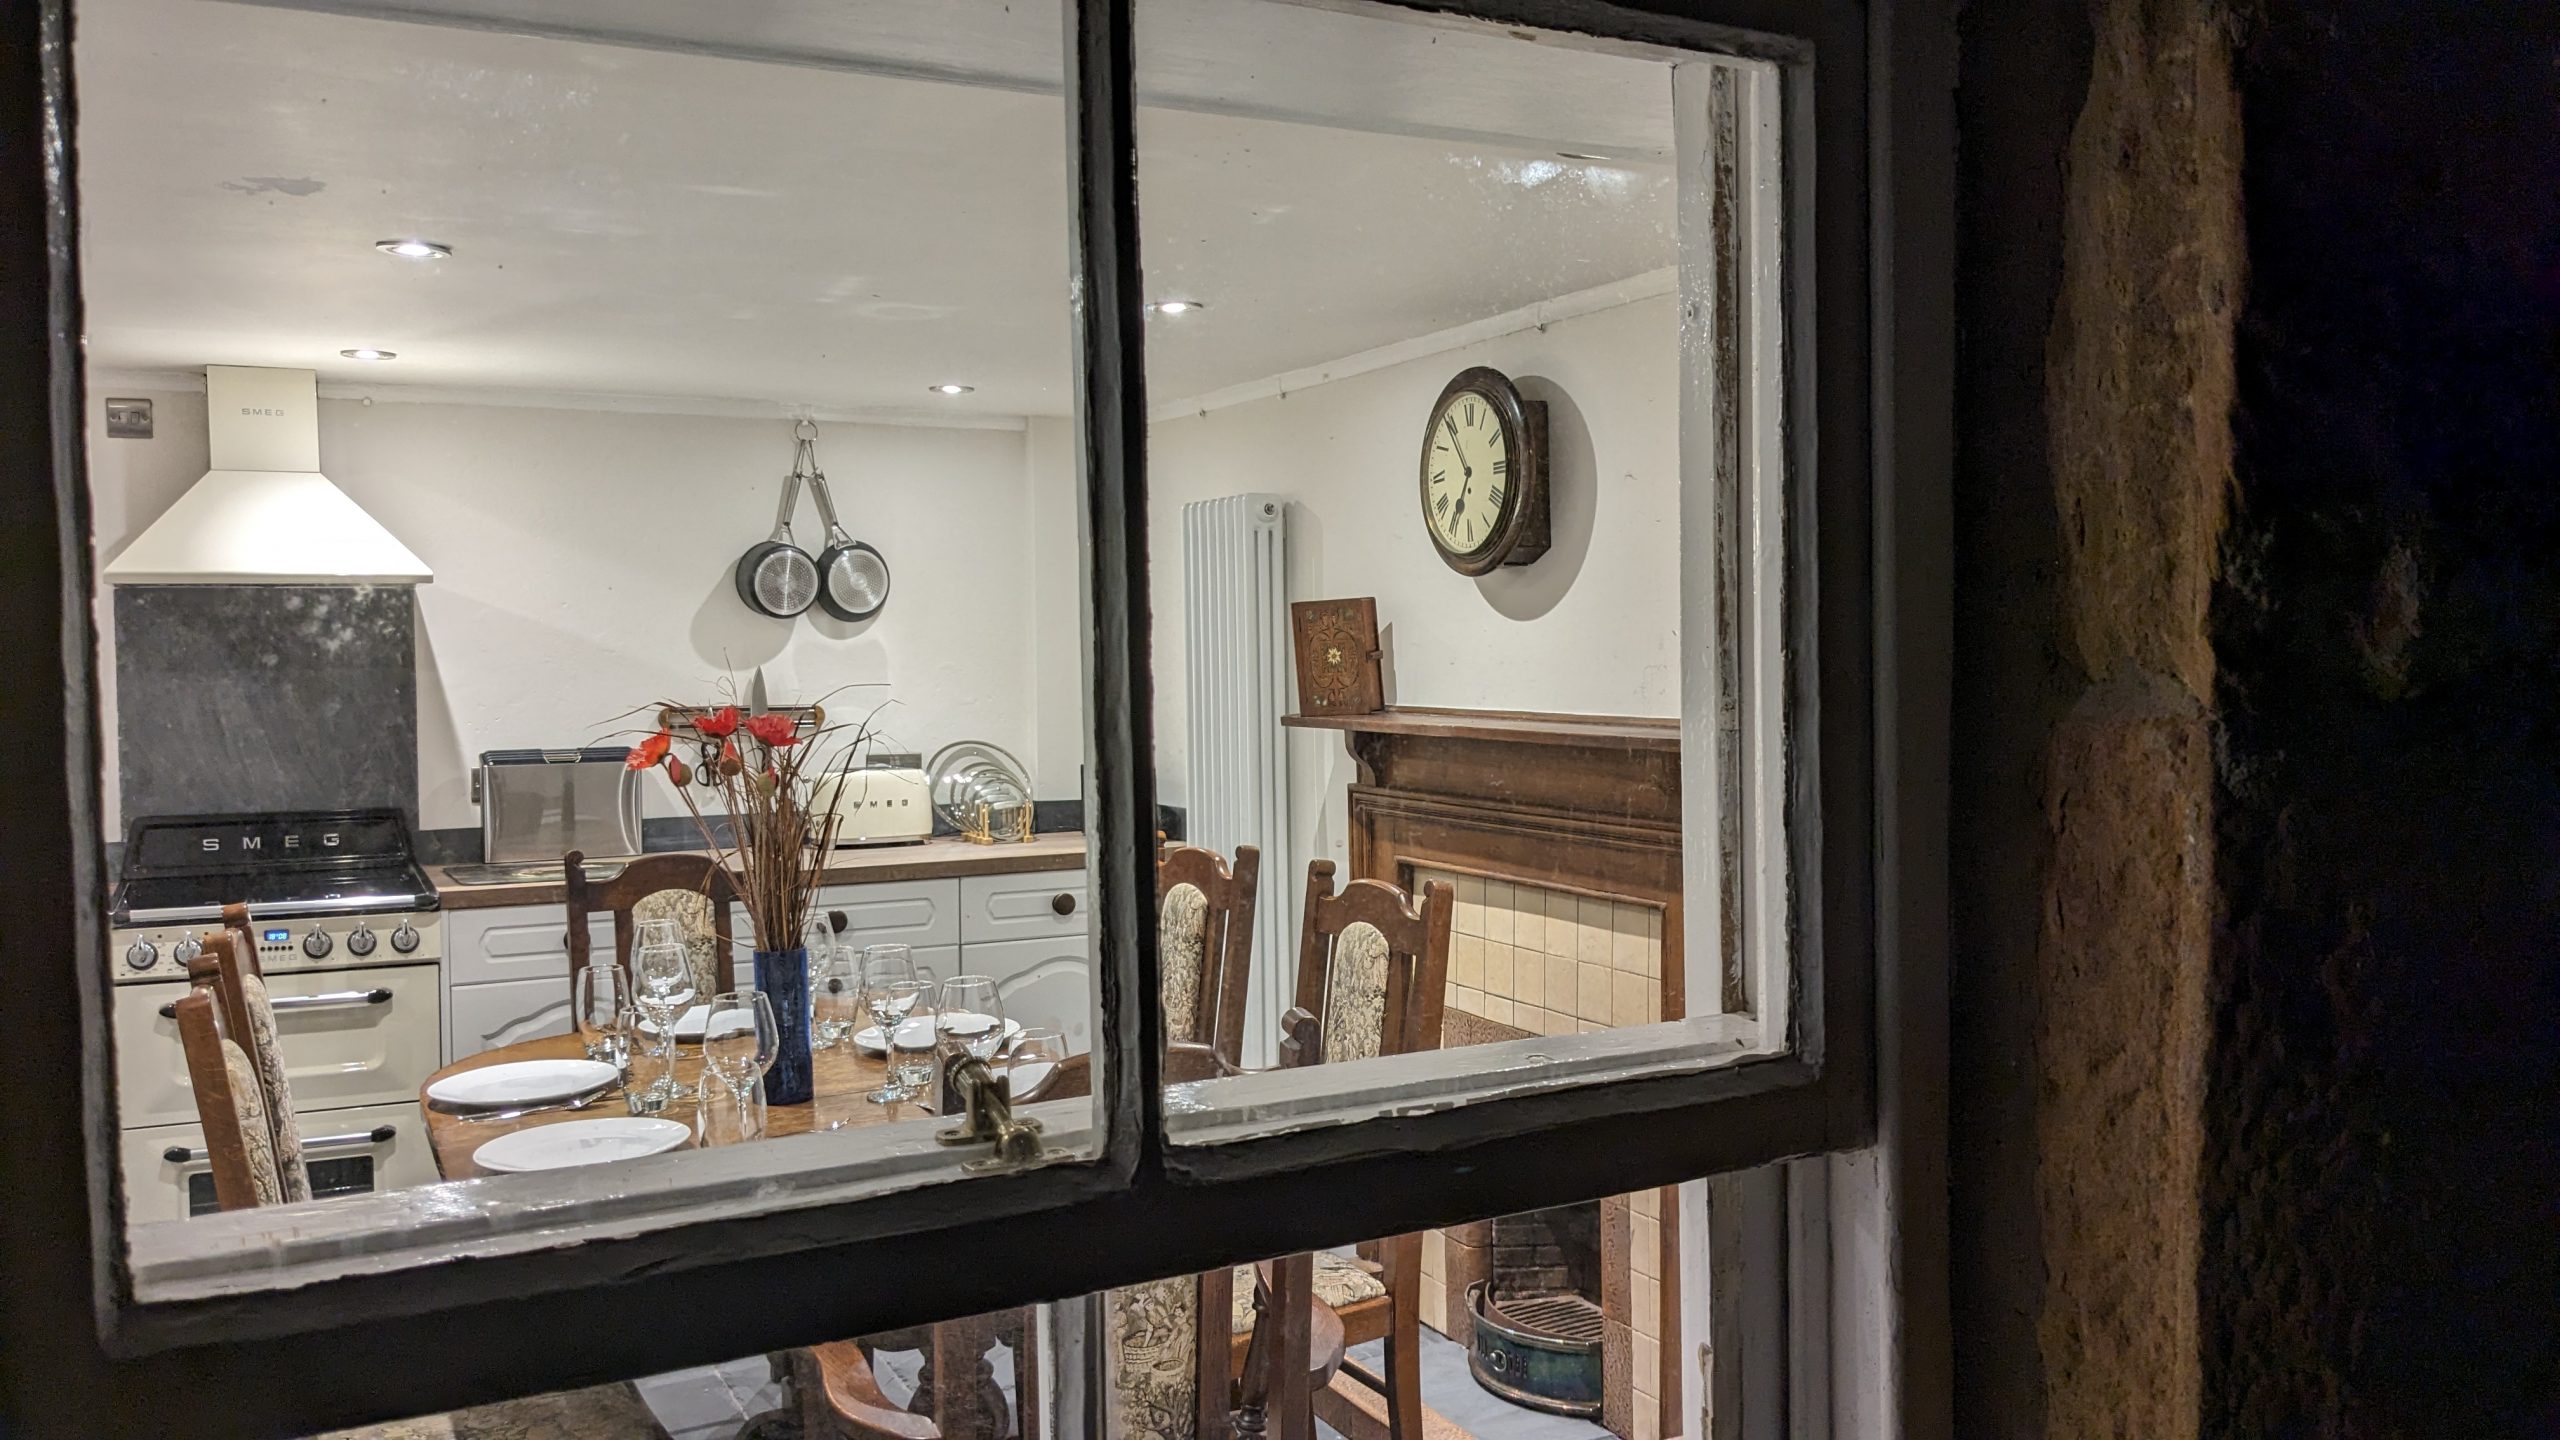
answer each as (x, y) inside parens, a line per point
(1484, 474)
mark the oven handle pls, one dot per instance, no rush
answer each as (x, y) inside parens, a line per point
(352, 1140)
(375, 996)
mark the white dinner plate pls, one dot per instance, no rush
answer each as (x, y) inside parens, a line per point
(580, 1142)
(916, 1032)
(1030, 1075)
(522, 1082)
(688, 1025)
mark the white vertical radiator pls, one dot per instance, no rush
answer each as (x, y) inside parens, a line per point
(1235, 608)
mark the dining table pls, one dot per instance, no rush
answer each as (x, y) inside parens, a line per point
(842, 1081)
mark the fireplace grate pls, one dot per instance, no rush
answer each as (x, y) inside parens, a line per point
(1568, 1318)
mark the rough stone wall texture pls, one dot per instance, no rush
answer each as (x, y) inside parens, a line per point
(2382, 1187)
(2139, 380)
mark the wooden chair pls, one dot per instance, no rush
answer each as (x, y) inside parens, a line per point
(237, 1137)
(1204, 910)
(1373, 976)
(227, 967)
(677, 885)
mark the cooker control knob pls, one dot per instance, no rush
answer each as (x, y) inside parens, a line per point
(185, 951)
(317, 943)
(360, 940)
(141, 955)
(404, 939)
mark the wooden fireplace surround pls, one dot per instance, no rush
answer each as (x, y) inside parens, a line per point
(1587, 804)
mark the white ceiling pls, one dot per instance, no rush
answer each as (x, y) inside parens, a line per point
(817, 217)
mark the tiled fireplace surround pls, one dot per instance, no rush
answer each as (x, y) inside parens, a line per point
(1560, 836)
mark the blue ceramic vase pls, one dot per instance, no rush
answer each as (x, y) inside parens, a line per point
(783, 975)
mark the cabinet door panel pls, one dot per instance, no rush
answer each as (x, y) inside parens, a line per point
(488, 1016)
(516, 943)
(912, 912)
(1043, 983)
(1042, 904)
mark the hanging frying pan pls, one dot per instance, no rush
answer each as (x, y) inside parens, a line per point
(853, 581)
(777, 577)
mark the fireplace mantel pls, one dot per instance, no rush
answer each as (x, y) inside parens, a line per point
(1572, 778)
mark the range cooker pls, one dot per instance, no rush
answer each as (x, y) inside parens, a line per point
(350, 937)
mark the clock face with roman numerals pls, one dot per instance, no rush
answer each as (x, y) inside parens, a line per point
(1483, 497)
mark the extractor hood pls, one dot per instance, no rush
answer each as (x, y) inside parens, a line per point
(264, 514)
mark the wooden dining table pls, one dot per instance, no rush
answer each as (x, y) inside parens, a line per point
(842, 1081)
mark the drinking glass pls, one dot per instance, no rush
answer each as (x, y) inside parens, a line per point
(914, 1062)
(601, 1003)
(835, 998)
(662, 976)
(739, 1042)
(1032, 1058)
(891, 1003)
(972, 1016)
(657, 932)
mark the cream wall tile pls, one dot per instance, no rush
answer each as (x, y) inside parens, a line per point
(1498, 969)
(1435, 1252)
(1564, 984)
(1627, 941)
(1528, 977)
(1558, 1023)
(1590, 1027)
(1591, 935)
(1645, 1308)
(1435, 1307)
(1498, 1007)
(1645, 1202)
(1469, 999)
(1500, 900)
(1529, 918)
(1564, 921)
(1631, 999)
(1644, 1244)
(1466, 960)
(1648, 1414)
(1470, 915)
(1591, 999)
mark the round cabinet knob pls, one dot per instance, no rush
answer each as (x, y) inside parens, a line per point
(317, 943)
(360, 941)
(186, 950)
(404, 939)
(1064, 902)
(141, 955)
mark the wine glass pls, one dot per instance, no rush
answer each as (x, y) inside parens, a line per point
(662, 976)
(601, 1003)
(835, 993)
(972, 1016)
(739, 1042)
(661, 931)
(1033, 1059)
(915, 1071)
(891, 1002)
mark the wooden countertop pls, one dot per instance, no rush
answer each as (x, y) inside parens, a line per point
(938, 859)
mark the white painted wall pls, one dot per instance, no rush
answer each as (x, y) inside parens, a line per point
(1592, 628)
(583, 566)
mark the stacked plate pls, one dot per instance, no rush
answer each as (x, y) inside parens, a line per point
(495, 1090)
(972, 780)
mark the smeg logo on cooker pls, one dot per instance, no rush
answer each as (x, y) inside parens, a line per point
(257, 844)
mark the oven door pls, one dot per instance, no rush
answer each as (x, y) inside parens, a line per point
(350, 1037)
(167, 1175)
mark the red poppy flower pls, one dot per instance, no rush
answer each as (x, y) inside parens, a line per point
(774, 730)
(647, 754)
(718, 725)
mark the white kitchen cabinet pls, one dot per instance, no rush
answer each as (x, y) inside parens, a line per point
(507, 974)
(911, 912)
(484, 1017)
(1039, 905)
(1043, 982)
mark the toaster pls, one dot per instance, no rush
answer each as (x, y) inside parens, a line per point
(884, 805)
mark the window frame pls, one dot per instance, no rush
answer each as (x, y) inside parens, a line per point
(364, 1346)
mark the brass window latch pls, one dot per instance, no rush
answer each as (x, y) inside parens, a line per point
(987, 1118)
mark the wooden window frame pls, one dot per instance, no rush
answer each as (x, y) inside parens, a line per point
(1871, 143)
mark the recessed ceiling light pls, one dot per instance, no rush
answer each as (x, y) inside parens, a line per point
(950, 389)
(1176, 307)
(413, 249)
(367, 352)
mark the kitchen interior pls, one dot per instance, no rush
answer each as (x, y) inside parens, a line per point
(475, 406)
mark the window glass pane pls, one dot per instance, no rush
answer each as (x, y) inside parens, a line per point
(1468, 559)
(445, 380)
